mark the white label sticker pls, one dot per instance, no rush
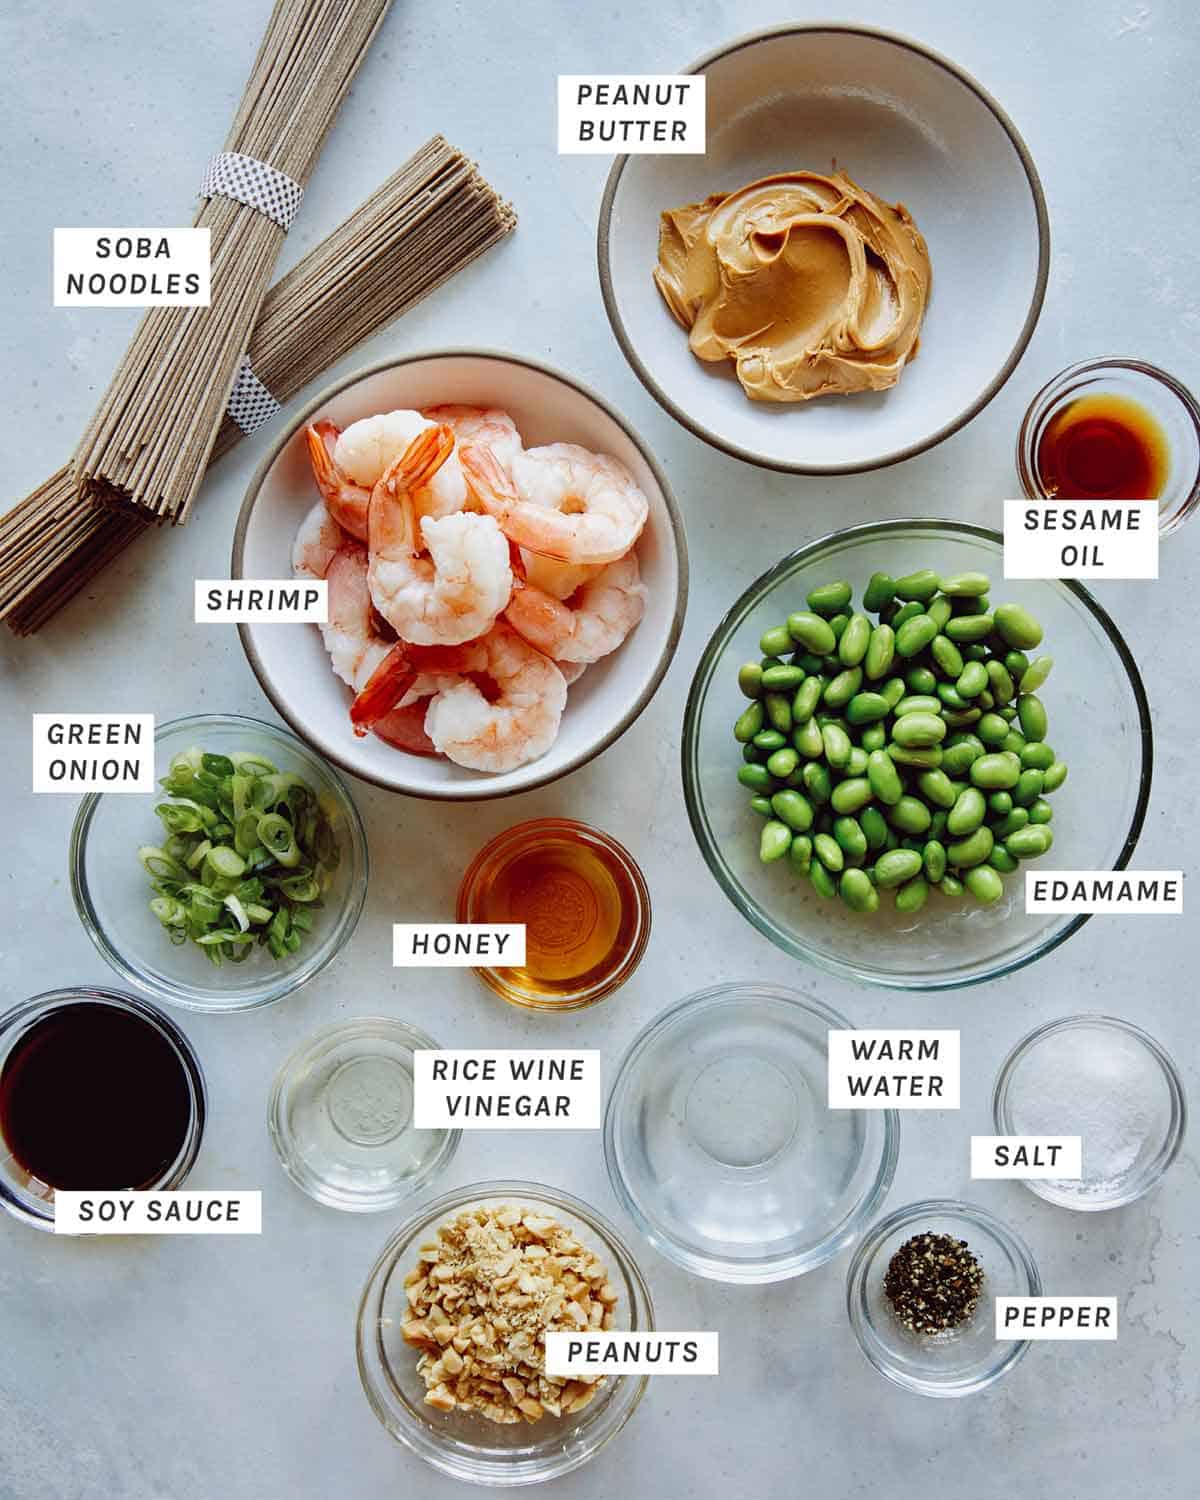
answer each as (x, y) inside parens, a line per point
(458, 945)
(659, 114)
(1147, 893)
(1080, 539)
(1027, 1157)
(506, 1089)
(889, 1069)
(631, 1354)
(131, 268)
(93, 753)
(265, 601)
(1056, 1318)
(198, 1211)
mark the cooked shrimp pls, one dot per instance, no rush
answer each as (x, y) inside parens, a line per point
(368, 447)
(561, 501)
(594, 622)
(355, 647)
(457, 592)
(518, 725)
(318, 539)
(480, 427)
(346, 500)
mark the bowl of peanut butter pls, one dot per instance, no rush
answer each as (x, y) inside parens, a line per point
(849, 271)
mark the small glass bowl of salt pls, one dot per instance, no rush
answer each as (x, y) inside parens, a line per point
(1106, 1081)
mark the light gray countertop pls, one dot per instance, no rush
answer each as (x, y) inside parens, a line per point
(179, 1369)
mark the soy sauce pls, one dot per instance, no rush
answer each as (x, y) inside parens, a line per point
(93, 1096)
(1103, 447)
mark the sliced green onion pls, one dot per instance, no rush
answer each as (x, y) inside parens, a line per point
(233, 905)
(224, 861)
(156, 861)
(278, 836)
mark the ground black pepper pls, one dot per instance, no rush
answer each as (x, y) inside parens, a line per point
(933, 1283)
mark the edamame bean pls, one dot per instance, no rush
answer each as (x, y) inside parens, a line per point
(924, 757)
(1032, 717)
(800, 853)
(782, 763)
(1055, 776)
(851, 795)
(893, 690)
(961, 718)
(906, 612)
(749, 722)
(969, 628)
(909, 815)
(811, 631)
(919, 731)
(933, 859)
(808, 661)
(808, 695)
(774, 842)
(817, 781)
(1036, 673)
(984, 884)
(967, 813)
(838, 623)
(855, 639)
(939, 610)
(972, 850)
(1014, 740)
(828, 851)
(965, 585)
(951, 697)
(857, 764)
(917, 703)
(874, 737)
(881, 651)
(1001, 680)
(874, 826)
(921, 682)
(843, 687)
(946, 655)
(914, 635)
(768, 740)
(880, 590)
(829, 598)
(782, 679)
(998, 772)
(809, 740)
(775, 642)
(1017, 663)
(921, 585)
(1018, 818)
(761, 805)
(936, 787)
(895, 867)
(848, 832)
(950, 885)
(992, 729)
(752, 752)
(1038, 756)
(912, 895)
(1000, 859)
(1017, 627)
(857, 892)
(883, 777)
(750, 679)
(866, 708)
(821, 880)
(958, 757)
(837, 745)
(1029, 842)
(972, 680)
(1027, 790)
(1000, 804)
(1040, 811)
(756, 778)
(779, 711)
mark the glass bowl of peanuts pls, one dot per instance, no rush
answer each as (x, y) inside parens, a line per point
(452, 1325)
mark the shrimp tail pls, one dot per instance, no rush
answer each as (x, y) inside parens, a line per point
(345, 501)
(386, 685)
(487, 483)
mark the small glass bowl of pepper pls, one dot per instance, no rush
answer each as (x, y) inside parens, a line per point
(958, 1359)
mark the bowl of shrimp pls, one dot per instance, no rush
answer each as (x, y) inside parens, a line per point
(506, 571)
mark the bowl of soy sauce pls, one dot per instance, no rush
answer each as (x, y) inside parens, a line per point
(99, 1091)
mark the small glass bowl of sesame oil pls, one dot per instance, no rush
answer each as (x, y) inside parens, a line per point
(584, 904)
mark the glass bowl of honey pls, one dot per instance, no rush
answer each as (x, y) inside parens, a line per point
(1114, 429)
(583, 902)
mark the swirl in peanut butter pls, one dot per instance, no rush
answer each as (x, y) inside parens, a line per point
(811, 285)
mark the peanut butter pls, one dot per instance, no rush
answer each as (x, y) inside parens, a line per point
(811, 285)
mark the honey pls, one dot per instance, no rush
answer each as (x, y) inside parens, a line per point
(1103, 447)
(583, 903)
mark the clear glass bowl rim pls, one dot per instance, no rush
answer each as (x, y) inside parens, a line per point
(296, 1169)
(576, 1000)
(28, 1012)
(1172, 1142)
(850, 1228)
(128, 967)
(1048, 396)
(494, 1473)
(856, 1279)
(733, 618)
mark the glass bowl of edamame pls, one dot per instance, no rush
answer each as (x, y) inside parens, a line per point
(883, 831)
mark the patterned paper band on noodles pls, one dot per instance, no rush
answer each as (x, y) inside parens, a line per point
(250, 402)
(255, 183)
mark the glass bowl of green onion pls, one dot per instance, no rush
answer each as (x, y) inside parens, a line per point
(240, 878)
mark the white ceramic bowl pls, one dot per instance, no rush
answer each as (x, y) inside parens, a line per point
(290, 660)
(909, 126)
